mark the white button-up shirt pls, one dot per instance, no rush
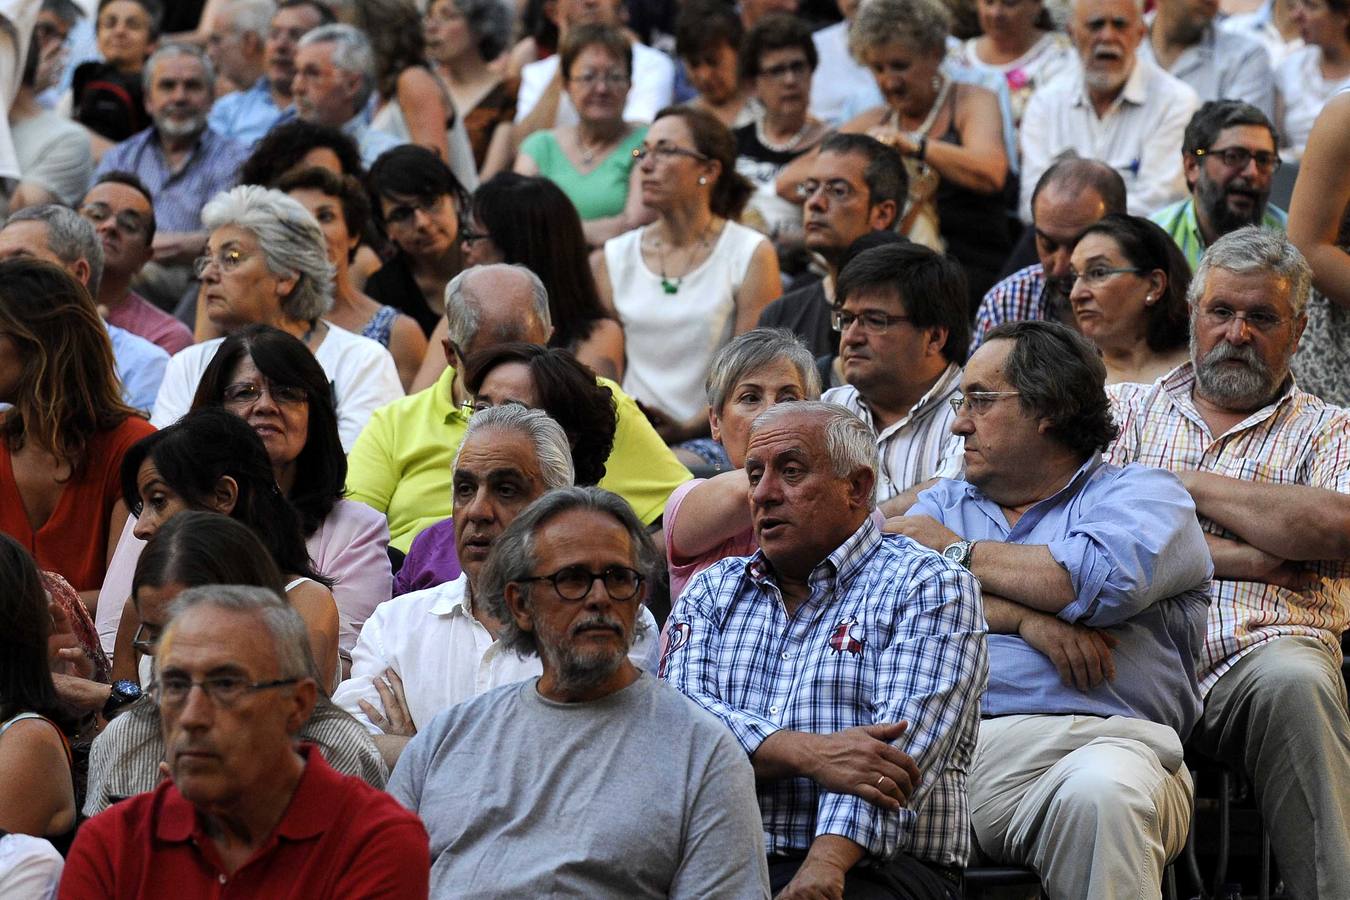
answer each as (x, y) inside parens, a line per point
(1139, 137)
(444, 655)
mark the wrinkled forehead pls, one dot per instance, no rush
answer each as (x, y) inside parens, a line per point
(1087, 10)
(206, 638)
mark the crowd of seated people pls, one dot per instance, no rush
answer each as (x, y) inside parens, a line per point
(474, 448)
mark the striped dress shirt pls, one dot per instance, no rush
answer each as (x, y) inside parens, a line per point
(917, 446)
(1297, 439)
(891, 631)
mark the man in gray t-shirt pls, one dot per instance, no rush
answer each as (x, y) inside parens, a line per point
(593, 779)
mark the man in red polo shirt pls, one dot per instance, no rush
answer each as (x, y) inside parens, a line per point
(246, 813)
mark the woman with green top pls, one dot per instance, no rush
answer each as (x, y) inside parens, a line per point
(592, 161)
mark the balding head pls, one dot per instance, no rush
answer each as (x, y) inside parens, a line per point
(1072, 195)
(493, 304)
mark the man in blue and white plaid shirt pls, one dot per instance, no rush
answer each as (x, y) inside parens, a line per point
(848, 664)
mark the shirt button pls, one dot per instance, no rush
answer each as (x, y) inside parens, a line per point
(786, 654)
(773, 709)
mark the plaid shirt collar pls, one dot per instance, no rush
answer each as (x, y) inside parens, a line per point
(1179, 386)
(847, 561)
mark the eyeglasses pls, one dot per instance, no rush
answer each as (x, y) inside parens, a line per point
(143, 643)
(1222, 317)
(472, 237)
(1095, 275)
(837, 190)
(872, 322)
(246, 394)
(979, 401)
(1238, 157)
(223, 690)
(666, 152)
(403, 213)
(127, 221)
(797, 69)
(574, 582)
(610, 79)
(227, 261)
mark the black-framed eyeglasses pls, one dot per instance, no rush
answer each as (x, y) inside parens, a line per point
(246, 393)
(1259, 320)
(574, 582)
(128, 222)
(979, 401)
(144, 643)
(1238, 157)
(469, 236)
(223, 690)
(836, 189)
(798, 68)
(666, 151)
(1095, 275)
(872, 322)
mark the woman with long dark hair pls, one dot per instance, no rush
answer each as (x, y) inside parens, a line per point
(63, 438)
(212, 460)
(37, 794)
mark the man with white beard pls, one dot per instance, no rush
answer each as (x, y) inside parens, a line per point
(181, 161)
(1119, 108)
(1268, 466)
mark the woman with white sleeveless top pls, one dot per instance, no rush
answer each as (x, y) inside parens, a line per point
(686, 284)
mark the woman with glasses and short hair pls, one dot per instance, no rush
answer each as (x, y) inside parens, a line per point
(267, 263)
(691, 281)
(1129, 297)
(191, 550)
(592, 161)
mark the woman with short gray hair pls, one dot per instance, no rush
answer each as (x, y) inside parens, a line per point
(708, 519)
(266, 262)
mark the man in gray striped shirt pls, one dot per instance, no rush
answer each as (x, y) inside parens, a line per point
(901, 313)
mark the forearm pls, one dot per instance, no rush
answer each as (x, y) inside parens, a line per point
(1003, 616)
(1291, 521)
(1025, 573)
(983, 173)
(712, 513)
(1331, 272)
(391, 747)
(783, 754)
(835, 850)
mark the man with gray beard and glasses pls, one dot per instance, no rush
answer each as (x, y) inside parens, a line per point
(593, 779)
(1268, 466)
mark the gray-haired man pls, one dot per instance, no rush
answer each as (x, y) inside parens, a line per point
(334, 77)
(533, 789)
(847, 664)
(425, 651)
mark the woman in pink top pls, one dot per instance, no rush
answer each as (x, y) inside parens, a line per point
(708, 519)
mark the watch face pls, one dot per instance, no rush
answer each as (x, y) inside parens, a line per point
(126, 689)
(954, 552)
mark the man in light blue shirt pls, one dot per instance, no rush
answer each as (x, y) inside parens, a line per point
(140, 367)
(248, 114)
(334, 82)
(1095, 585)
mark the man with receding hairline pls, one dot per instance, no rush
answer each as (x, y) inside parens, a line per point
(847, 664)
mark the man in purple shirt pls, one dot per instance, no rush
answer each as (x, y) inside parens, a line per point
(1095, 584)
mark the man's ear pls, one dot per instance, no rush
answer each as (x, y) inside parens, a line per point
(1190, 164)
(81, 270)
(937, 339)
(517, 599)
(882, 215)
(861, 485)
(306, 694)
(225, 495)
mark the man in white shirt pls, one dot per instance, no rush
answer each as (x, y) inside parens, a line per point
(1119, 108)
(1217, 63)
(841, 87)
(901, 312)
(423, 652)
(652, 86)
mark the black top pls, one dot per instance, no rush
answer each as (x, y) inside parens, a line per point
(975, 227)
(806, 314)
(394, 285)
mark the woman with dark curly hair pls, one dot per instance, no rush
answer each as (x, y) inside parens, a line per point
(63, 438)
(688, 283)
(1129, 297)
(546, 378)
(298, 144)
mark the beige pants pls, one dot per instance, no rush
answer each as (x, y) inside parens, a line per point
(1096, 806)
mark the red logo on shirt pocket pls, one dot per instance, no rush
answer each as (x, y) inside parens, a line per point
(847, 637)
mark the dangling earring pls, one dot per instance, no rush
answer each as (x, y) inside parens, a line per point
(937, 83)
(702, 179)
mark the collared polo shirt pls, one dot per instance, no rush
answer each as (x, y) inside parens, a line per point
(338, 838)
